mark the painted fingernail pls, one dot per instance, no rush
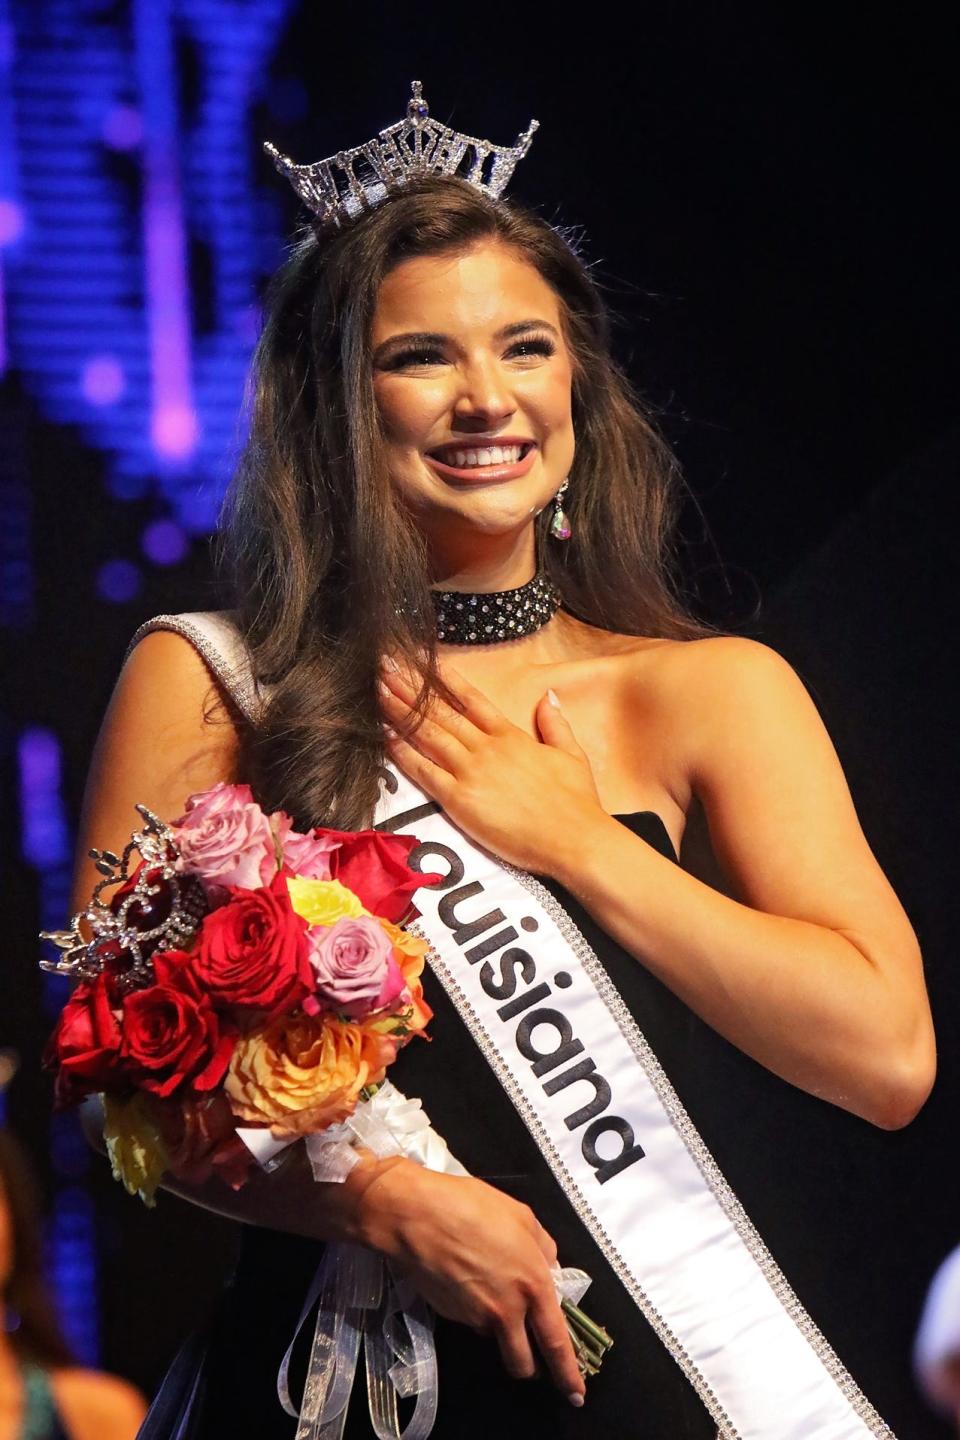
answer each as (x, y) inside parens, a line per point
(552, 697)
(576, 1399)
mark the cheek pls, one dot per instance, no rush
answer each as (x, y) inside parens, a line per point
(410, 413)
(554, 400)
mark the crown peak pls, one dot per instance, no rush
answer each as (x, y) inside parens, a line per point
(350, 182)
(417, 108)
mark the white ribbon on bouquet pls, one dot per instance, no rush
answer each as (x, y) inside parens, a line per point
(360, 1298)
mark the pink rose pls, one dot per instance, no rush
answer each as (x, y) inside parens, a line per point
(225, 838)
(305, 855)
(355, 967)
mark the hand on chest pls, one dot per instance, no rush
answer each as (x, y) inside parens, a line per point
(620, 737)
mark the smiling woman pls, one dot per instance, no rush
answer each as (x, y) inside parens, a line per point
(471, 412)
(410, 646)
(441, 318)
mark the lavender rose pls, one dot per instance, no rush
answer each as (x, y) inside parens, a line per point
(225, 838)
(354, 964)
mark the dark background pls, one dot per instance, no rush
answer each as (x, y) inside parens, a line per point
(768, 199)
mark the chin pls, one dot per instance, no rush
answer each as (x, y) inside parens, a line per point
(486, 513)
(501, 521)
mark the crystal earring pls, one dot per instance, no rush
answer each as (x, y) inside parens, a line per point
(560, 524)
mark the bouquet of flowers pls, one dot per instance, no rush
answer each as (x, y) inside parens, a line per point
(244, 985)
(242, 976)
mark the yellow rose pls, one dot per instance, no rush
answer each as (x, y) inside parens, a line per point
(301, 1073)
(323, 902)
(138, 1156)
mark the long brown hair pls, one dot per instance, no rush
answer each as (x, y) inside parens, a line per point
(36, 1334)
(328, 570)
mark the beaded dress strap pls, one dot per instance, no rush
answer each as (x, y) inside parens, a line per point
(218, 642)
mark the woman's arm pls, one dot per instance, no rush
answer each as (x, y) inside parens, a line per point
(168, 732)
(814, 969)
(441, 1229)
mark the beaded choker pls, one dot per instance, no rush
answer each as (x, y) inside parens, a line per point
(485, 619)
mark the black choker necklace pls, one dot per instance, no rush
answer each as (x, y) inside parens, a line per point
(485, 619)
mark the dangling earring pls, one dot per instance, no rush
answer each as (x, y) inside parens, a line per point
(560, 524)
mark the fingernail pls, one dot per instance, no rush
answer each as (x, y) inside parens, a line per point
(552, 697)
(576, 1399)
(389, 663)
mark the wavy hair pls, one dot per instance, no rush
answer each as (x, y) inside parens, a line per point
(328, 571)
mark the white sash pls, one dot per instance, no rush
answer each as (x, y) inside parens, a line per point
(563, 1045)
(565, 1048)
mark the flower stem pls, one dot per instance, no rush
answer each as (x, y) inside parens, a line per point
(590, 1341)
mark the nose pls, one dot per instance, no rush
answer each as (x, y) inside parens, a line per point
(484, 394)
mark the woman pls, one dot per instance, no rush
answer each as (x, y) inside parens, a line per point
(433, 383)
(43, 1395)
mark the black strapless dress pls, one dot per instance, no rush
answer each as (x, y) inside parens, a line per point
(223, 1383)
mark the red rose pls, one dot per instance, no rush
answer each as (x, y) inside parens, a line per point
(171, 1033)
(200, 1137)
(253, 951)
(84, 1048)
(374, 866)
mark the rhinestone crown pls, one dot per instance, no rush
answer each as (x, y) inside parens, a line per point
(155, 907)
(352, 181)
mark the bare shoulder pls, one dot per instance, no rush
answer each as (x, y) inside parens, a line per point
(97, 1406)
(709, 684)
(165, 658)
(715, 660)
(168, 732)
(700, 708)
(685, 681)
(167, 704)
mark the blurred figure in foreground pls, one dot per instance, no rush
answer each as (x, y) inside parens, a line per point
(43, 1394)
(936, 1354)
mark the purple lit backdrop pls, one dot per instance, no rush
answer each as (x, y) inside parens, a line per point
(764, 196)
(105, 184)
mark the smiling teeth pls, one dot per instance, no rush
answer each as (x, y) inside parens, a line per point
(492, 455)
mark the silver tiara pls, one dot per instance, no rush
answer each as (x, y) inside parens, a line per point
(352, 181)
(155, 908)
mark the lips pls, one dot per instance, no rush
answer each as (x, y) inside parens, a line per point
(506, 459)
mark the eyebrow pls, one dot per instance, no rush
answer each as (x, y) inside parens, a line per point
(424, 338)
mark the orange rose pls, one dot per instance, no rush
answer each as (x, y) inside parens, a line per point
(300, 1074)
(411, 954)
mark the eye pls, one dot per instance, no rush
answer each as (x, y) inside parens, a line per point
(533, 345)
(424, 356)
